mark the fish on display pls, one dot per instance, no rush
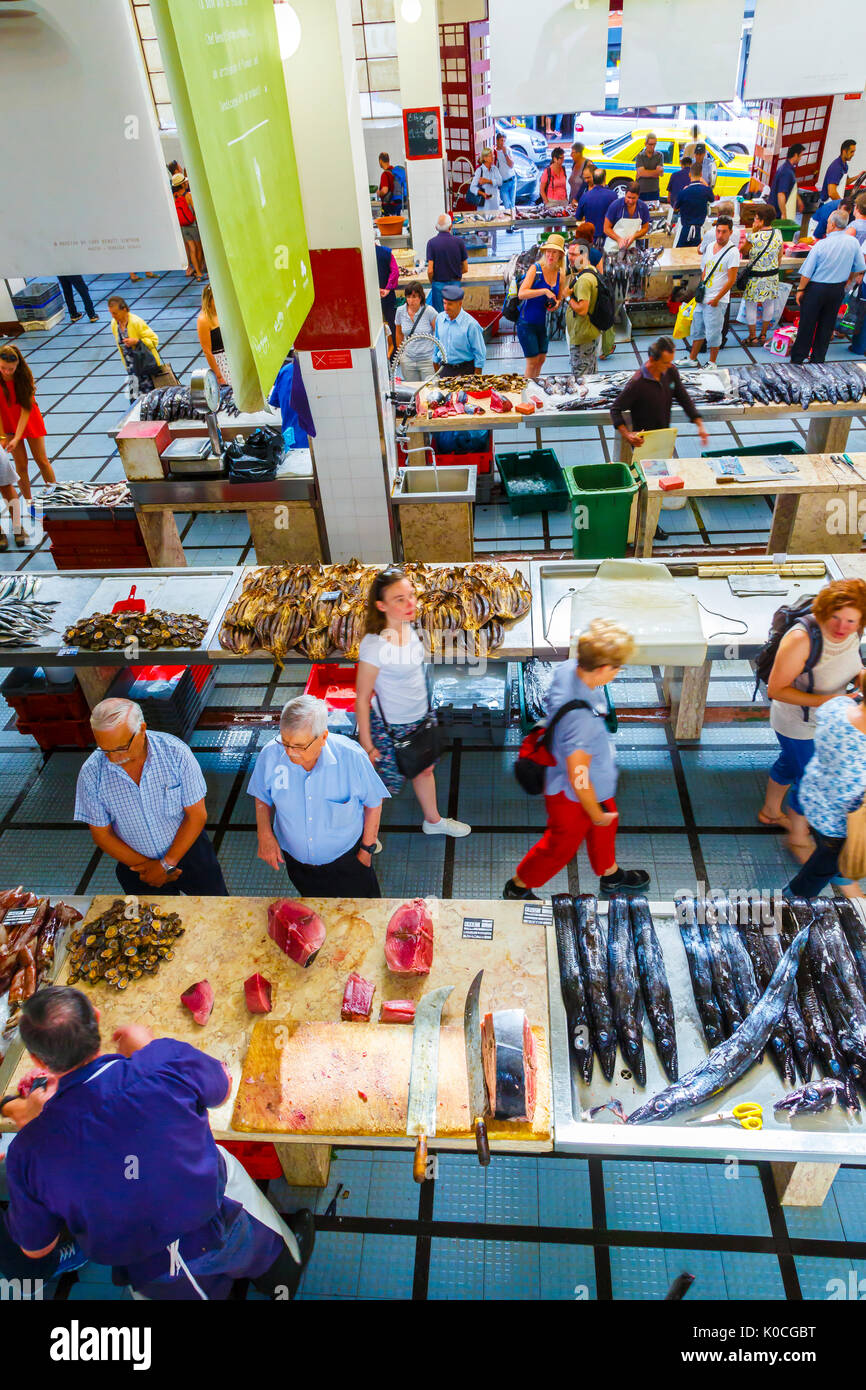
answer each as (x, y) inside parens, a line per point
(592, 951)
(723, 985)
(654, 985)
(774, 949)
(815, 1097)
(733, 1057)
(819, 1031)
(849, 1035)
(625, 987)
(699, 969)
(742, 970)
(855, 933)
(780, 1047)
(571, 982)
(843, 961)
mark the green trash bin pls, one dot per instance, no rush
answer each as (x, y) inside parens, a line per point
(601, 495)
(781, 446)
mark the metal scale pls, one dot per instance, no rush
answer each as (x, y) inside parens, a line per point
(194, 457)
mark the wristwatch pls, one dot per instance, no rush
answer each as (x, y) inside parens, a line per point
(368, 849)
(169, 868)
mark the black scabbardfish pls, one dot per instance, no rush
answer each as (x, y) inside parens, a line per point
(843, 959)
(775, 946)
(625, 987)
(699, 968)
(592, 950)
(571, 983)
(849, 1035)
(727, 1062)
(819, 1031)
(855, 934)
(723, 985)
(742, 970)
(780, 1048)
(654, 984)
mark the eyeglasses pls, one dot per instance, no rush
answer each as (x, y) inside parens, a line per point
(299, 748)
(123, 747)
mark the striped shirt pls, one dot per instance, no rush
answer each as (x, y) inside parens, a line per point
(146, 816)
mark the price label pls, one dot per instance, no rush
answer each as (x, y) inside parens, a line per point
(538, 914)
(67, 651)
(478, 928)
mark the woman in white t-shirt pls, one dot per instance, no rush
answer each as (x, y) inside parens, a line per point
(415, 317)
(391, 697)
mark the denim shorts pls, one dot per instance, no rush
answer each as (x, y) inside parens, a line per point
(708, 323)
(532, 338)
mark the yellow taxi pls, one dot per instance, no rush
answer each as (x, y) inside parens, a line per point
(617, 158)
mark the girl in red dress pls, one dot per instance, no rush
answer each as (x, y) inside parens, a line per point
(21, 419)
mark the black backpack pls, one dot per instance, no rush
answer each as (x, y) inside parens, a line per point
(784, 618)
(603, 315)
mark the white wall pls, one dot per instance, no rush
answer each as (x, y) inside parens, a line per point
(461, 11)
(383, 134)
(847, 121)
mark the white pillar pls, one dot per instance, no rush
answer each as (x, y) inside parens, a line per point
(354, 446)
(421, 85)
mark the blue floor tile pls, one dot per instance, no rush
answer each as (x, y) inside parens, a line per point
(631, 1199)
(512, 1191)
(638, 1274)
(335, 1266)
(563, 1192)
(751, 1276)
(456, 1269)
(460, 1189)
(705, 1265)
(387, 1267)
(567, 1272)
(511, 1270)
(684, 1197)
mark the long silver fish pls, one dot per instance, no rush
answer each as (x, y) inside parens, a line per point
(727, 1062)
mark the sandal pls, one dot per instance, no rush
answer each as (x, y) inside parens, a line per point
(781, 819)
(751, 342)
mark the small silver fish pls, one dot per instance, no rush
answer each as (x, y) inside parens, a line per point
(815, 1097)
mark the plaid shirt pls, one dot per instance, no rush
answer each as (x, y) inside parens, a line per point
(148, 816)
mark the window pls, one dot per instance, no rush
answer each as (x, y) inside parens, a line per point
(153, 65)
(375, 35)
(666, 149)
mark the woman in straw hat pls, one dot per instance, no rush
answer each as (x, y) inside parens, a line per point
(541, 292)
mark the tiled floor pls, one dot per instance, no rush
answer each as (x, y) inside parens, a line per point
(525, 1227)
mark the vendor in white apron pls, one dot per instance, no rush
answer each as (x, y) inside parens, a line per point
(114, 1161)
(627, 220)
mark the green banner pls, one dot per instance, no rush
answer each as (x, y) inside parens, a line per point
(226, 82)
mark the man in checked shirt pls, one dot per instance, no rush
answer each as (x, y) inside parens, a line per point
(142, 794)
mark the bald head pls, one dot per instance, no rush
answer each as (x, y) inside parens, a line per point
(443, 222)
(837, 221)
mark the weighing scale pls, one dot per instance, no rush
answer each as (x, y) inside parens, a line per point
(195, 457)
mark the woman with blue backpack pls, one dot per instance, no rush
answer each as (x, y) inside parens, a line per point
(815, 655)
(542, 290)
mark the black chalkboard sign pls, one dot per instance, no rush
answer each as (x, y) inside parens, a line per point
(422, 132)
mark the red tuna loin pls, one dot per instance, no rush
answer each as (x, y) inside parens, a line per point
(296, 930)
(199, 1000)
(357, 1000)
(508, 1050)
(257, 991)
(397, 1011)
(409, 939)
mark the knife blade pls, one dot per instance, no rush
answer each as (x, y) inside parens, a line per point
(478, 1105)
(424, 1075)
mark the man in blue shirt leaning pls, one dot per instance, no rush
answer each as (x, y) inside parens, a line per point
(818, 226)
(829, 266)
(117, 1151)
(318, 805)
(462, 349)
(142, 794)
(594, 202)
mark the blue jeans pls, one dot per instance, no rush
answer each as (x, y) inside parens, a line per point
(508, 193)
(790, 765)
(858, 340)
(436, 288)
(533, 338)
(821, 868)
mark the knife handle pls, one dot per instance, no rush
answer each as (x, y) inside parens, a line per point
(419, 1166)
(481, 1143)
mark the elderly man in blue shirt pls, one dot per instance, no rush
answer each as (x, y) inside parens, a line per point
(462, 349)
(318, 805)
(117, 1151)
(142, 794)
(825, 274)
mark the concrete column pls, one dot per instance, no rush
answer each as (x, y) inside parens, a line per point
(417, 23)
(341, 347)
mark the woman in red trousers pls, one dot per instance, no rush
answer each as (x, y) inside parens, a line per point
(21, 419)
(579, 789)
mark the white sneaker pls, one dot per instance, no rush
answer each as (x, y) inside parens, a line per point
(378, 849)
(457, 828)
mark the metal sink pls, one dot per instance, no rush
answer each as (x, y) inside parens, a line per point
(450, 484)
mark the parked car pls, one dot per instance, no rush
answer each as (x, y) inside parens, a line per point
(527, 177)
(728, 124)
(618, 157)
(530, 143)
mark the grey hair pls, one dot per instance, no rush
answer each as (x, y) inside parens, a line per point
(304, 712)
(838, 219)
(114, 713)
(443, 222)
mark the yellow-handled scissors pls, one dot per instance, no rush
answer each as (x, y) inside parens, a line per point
(748, 1113)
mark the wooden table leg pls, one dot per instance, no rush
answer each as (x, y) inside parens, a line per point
(688, 698)
(304, 1165)
(651, 510)
(828, 434)
(782, 524)
(827, 523)
(161, 539)
(95, 681)
(803, 1184)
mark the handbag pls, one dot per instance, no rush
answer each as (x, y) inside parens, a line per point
(701, 291)
(852, 860)
(745, 275)
(535, 755)
(418, 750)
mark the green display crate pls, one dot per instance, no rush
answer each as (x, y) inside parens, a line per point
(535, 469)
(606, 492)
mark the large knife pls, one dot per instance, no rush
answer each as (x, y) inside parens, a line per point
(475, 1069)
(424, 1076)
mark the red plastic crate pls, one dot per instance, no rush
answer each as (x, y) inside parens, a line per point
(332, 683)
(486, 317)
(58, 733)
(483, 461)
(42, 706)
(259, 1160)
(121, 558)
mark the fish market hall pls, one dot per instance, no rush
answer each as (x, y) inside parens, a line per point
(432, 599)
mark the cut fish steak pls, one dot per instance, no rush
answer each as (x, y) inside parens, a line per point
(508, 1052)
(297, 930)
(357, 999)
(409, 939)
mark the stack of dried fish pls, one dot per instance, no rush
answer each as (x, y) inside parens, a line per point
(152, 631)
(87, 495)
(320, 610)
(126, 942)
(23, 621)
(783, 383)
(30, 930)
(175, 403)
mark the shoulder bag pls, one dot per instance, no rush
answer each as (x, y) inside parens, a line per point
(746, 274)
(700, 293)
(418, 750)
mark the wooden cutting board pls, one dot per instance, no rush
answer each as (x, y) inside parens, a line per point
(353, 1079)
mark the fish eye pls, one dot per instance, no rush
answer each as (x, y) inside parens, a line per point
(660, 1105)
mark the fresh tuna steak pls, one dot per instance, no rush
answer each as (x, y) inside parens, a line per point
(199, 1000)
(508, 1051)
(397, 1011)
(296, 929)
(357, 999)
(409, 939)
(257, 991)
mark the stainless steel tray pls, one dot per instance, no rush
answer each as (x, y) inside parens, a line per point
(830, 1137)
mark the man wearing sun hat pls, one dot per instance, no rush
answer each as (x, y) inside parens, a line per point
(462, 349)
